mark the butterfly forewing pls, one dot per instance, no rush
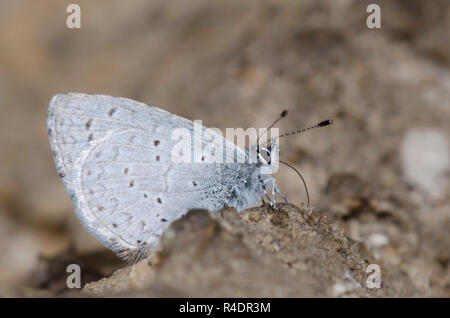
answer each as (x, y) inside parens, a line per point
(114, 157)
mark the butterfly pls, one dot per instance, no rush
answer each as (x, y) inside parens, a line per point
(115, 157)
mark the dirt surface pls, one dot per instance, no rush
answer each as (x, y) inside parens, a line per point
(256, 253)
(380, 173)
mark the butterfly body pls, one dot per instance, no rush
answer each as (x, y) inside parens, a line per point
(115, 158)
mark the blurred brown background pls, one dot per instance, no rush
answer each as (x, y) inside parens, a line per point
(238, 64)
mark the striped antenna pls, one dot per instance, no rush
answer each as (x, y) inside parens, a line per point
(295, 132)
(321, 124)
(282, 115)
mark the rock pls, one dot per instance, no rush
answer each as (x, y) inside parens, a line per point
(259, 252)
(425, 157)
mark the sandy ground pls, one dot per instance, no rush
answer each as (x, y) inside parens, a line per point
(380, 173)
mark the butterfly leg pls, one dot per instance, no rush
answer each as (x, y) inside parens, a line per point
(265, 193)
(275, 191)
(273, 200)
(280, 193)
(274, 196)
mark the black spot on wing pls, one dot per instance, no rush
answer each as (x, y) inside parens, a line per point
(88, 124)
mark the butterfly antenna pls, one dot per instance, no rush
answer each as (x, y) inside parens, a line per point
(301, 177)
(321, 124)
(282, 115)
(295, 132)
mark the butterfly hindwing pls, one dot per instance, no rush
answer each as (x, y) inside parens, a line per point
(114, 157)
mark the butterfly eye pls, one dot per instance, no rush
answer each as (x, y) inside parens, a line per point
(265, 151)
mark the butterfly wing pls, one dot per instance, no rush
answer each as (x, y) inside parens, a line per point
(114, 157)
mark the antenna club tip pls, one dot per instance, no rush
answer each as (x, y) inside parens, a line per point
(325, 123)
(284, 113)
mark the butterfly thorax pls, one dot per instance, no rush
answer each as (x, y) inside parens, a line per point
(246, 185)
